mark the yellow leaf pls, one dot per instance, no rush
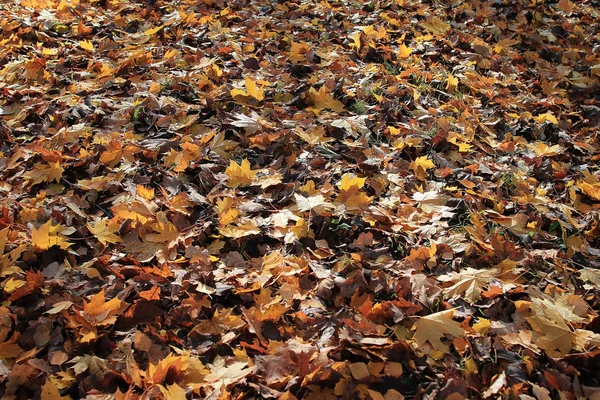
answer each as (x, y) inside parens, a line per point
(166, 231)
(540, 119)
(157, 373)
(405, 51)
(50, 392)
(236, 231)
(173, 392)
(591, 190)
(436, 26)
(378, 33)
(152, 31)
(313, 136)
(13, 284)
(322, 99)
(356, 39)
(144, 192)
(49, 52)
(99, 308)
(350, 180)
(47, 236)
(298, 51)
(86, 45)
(239, 174)
(423, 162)
(432, 327)
(482, 326)
(350, 194)
(104, 231)
(541, 149)
(227, 214)
(451, 83)
(113, 153)
(252, 90)
(45, 172)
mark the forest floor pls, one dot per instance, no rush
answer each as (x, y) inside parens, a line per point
(299, 199)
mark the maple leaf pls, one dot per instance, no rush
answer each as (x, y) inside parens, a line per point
(313, 136)
(173, 392)
(323, 99)
(239, 174)
(113, 153)
(541, 149)
(49, 235)
(247, 228)
(252, 91)
(8, 259)
(45, 173)
(432, 327)
(436, 26)
(298, 52)
(100, 309)
(316, 203)
(165, 230)
(553, 335)
(86, 45)
(350, 194)
(404, 51)
(156, 373)
(105, 230)
(222, 371)
(469, 282)
(49, 391)
(591, 190)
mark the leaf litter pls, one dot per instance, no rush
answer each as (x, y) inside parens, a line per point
(323, 199)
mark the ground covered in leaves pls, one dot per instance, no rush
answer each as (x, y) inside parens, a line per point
(299, 199)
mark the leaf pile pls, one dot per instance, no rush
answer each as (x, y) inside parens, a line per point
(299, 199)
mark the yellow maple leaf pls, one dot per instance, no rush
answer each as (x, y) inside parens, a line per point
(227, 213)
(165, 230)
(247, 228)
(153, 31)
(181, 160)
(591, 190)
(404, 51)
(173, 392)
(239, 174)
(350, 194)
(377, 33)
(541, 149)
(252, 90)
(298, 51)
(104, 231)
(350, 180)
(45, 172)
(47, 236)
(436, 26)
(113, 153)
(50, 391)
(99, 308)
(451, 83)
(322, 99)
(86, 45)
(157, 373)
(420, 166)
(146, 193)
(540, 119)
(432, 327)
